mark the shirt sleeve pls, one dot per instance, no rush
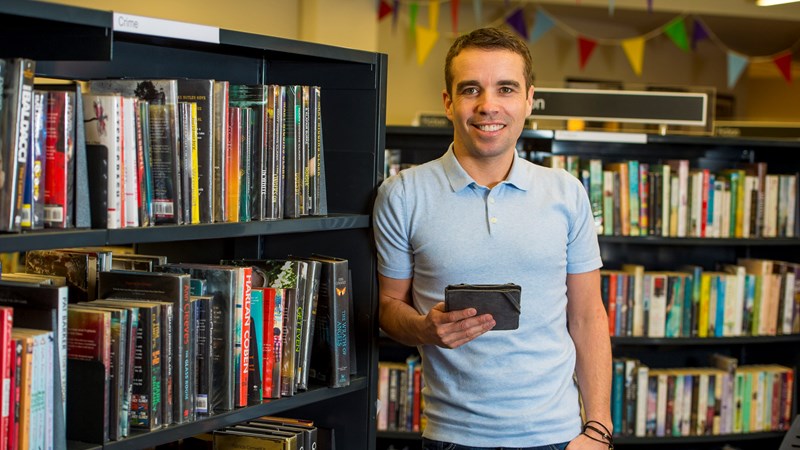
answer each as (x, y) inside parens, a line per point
(583, 250)
(394, 252)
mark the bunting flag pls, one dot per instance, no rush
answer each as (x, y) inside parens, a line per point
(477, 10)
(542, 25)
(784, 63)
(585, 48)
(517, 21)
(676, 31)
(433, 15)
(395, 13)
(650, 6)
(634, 50)
(610, 7)
(454, 15)
(426, 38)
(384, 9)
(736, 65)
(413, 10)
(699, 33)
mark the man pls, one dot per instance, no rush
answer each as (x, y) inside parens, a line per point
(482, 215)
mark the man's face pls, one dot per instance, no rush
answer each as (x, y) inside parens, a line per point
(489, 102)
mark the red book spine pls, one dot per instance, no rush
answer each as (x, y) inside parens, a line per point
(268, 359)
(6, 401)
(612, 304)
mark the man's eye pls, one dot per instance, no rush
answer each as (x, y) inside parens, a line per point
(506, 90)
(470, 91)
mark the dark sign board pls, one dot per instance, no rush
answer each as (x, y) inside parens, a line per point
(659, 108)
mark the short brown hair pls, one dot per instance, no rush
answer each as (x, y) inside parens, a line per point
(489, 38)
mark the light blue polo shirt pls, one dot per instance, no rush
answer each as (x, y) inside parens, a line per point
(435, 224)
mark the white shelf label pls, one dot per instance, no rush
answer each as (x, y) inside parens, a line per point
(601, 136)
(130, 23)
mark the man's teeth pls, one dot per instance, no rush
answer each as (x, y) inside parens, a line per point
(490, 127)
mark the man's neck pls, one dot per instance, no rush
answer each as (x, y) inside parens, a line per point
(487, 171)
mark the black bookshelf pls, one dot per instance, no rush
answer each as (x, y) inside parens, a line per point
(77, 43)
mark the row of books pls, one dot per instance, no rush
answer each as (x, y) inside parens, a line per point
(29, 400)
(272, 433)
(722, 399)
(673, 199)
(131, 153)
(400, 402)
(172, 342)
(754, 297)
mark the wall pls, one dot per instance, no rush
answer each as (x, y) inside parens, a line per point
(416, 88)
(760, 94)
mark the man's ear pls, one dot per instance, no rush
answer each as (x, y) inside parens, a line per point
(448, 104)
(529, 100)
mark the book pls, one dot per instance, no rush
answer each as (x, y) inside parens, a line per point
(275, 151)
(143, 163)
(308, 313)
(293, 202)
(15, 123)
(60, 159)
(130, 194)
(161, 97)
(256, 361)
(201, 93)
(103, 115)
(33, 197)
(330, 356)
(219, 150)
(204, 329)
(89, 339)
(273, 338)
(187, 136)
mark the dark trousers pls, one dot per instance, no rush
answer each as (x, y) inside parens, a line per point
(429, 444)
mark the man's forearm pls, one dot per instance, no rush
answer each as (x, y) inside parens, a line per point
(593, 368)
(400, 321)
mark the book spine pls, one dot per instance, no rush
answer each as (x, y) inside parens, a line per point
(15, 127)
(256, 371)
(6, 323)
(33, 202)
(219, 149)
(244, 361)
(165, 164)
(204, 327)
(129, 166)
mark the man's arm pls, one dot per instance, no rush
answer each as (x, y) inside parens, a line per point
(403, 323)
(588, 326)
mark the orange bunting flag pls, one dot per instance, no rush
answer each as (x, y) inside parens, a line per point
(426, 38)
(384, 9)
(784, 63)
(585, 48)
(634, 50)
(454, 15)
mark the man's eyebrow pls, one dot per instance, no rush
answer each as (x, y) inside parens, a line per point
(462, 84)
(512, 83)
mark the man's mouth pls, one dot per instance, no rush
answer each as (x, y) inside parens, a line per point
(492, 127)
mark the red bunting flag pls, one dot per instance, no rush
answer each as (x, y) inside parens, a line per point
(784, 63)
(586, 47)
(384, 9)
(454, 15)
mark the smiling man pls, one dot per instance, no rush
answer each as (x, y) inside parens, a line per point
(482, 215)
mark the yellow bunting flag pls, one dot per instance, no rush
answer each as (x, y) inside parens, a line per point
(426, 38)
(634, 50)
(433, 14)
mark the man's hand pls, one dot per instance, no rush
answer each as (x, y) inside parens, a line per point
(455, 328)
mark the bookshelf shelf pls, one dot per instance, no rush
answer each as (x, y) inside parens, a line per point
(172, 433)
(708, 341)
(704, 242)
(75, 43)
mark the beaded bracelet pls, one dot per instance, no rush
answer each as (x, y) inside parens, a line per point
(604, 433)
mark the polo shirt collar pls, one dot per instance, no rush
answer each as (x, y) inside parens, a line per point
(460, 179)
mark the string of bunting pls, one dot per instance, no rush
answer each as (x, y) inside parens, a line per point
(633, 47)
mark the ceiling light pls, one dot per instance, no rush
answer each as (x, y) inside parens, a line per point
(773, 2)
